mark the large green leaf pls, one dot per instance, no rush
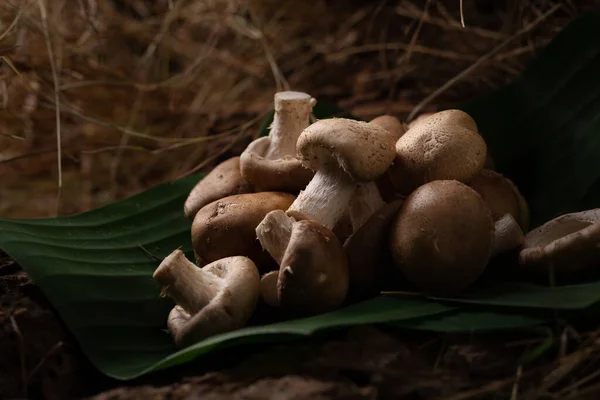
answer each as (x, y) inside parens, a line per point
(544, 128)
(96, 271)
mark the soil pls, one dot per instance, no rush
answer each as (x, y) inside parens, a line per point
(41, 360)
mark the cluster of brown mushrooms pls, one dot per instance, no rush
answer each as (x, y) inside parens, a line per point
(318, 215)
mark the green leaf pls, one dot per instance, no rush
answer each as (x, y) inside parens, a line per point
(472, 322)
(96, 271)
(522, 295)
(543, 129)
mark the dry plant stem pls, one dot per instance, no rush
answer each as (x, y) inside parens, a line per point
(507, 235)
(274, 232)
(292, 112)
(326, 197)
(477, 63)
(189, 286)
(44, 16)
(364, 204)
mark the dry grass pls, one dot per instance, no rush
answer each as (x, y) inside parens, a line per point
(150, 90)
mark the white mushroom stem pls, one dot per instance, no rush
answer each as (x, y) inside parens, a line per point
(326, 198)
(274, 233)
(364, 204)
(507, 235)
(292, 113)
(192, 288)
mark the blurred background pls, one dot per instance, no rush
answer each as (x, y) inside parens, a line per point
(146, 91)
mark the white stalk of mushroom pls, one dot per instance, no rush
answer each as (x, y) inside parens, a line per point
(344, 153)
(269, 163)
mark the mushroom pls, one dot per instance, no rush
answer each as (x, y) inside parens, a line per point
(313, 273)
(226, 227)
(344, 153)
(443, 146)
(384, 182)
(502, 196)
(224, 180)
(268, 288)
(567, 245)
(369, 257)
(508, 235)
(442, 237)
(269, 163)
(217, 298)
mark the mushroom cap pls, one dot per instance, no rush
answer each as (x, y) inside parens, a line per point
(447, 117)
(363, 150)
(438, 148)
(569, 243)
(443, 237)
(229, 310)
(313, 277)
(390, 124)
(368, 252)
(281, 174)
(224, 180)
(226, 227)
(502, 196)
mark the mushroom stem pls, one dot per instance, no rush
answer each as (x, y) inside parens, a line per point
(507, 235)
(274, 232)
(364, 204)
(189, 286)
(268, 288)
(326, 197)
(292, 112)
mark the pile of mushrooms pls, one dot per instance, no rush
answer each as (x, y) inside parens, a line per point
(318, 215)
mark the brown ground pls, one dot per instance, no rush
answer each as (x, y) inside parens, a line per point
(151, 90)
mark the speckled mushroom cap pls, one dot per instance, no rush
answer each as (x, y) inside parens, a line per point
(502, 196)
(236, 289)
(363, 150)
(280, 174)
(224, 180)
(226, 227)
(569, 243)
(440, 147)
(442, 237)
(390, 124)
(452, 117)
(313, 277)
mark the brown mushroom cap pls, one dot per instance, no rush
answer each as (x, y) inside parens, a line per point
(368, 252)
(218, 298)
(569, 244)
(390, 124)
(447, 117)
(502, 196)
(443, 237)
(282, 174)
(226, 227)
(361, 149)
(313, 277)
(441, 147)
(224, 180)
